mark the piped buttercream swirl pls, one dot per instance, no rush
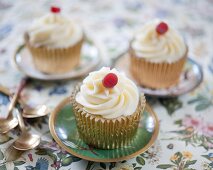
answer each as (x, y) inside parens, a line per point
(148, 44)
(54, 31)
(121, 100)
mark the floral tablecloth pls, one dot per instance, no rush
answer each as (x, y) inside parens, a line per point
(185, 140)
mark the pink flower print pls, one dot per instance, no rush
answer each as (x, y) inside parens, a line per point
(210, 146)
(51, 145)
(30, 157)
(63, 151)
(195, 123)
(208, 130)
(56, 165)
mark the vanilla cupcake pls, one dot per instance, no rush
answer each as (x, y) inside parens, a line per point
(107, 109)
(55, 42)
(157, 54)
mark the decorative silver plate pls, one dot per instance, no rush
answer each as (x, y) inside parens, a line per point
(191, 77)
(90, 58)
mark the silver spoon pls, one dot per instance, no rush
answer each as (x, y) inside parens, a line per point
(26, 140)
(28, 112)
(7, 124)
(11, 122)
(38, 111)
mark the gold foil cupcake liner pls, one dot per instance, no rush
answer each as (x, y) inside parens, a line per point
(60, 60)
(102, 133)
(155, 75)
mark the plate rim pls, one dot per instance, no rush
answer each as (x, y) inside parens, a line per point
(65, 101)
(23, 45)
(123, 54)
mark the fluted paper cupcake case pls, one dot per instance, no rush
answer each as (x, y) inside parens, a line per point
(58, 60)
(155, 75)
(102, 133)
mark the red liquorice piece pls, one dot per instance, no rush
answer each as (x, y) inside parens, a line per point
(162, 28)
(55, 9)
(110, 80)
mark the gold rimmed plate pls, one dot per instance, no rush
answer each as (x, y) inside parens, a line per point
(64, 130)
(191, 77)
(90, 58)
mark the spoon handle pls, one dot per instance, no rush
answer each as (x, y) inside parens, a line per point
(21, 121)
(17, 93)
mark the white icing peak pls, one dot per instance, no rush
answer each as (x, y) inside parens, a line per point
(150, 45)
(54, 31)
(121, 100)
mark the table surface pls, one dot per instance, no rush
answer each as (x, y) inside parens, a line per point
(185, 140)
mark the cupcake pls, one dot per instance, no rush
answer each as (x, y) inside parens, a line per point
(55, 43)
(107, 107)
(157, 55)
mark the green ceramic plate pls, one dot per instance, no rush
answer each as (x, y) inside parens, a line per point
(64, 131)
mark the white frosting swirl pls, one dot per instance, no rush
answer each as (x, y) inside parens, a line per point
(148, 44)
(121, 100)
(54, 31)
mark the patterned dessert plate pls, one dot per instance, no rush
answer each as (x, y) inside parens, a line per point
(63, 129)
(191, 77)
(90, 58)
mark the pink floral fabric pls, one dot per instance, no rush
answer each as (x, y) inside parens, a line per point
(185, 140)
